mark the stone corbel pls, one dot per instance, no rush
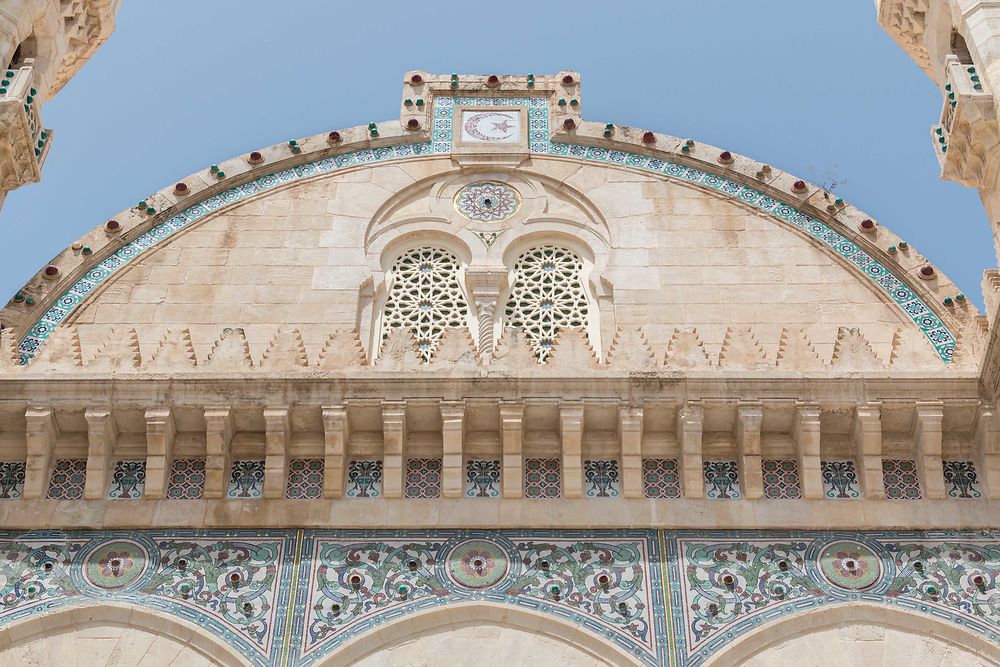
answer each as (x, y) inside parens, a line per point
(987, 438)
(927, 420)
(690, 420)
(484, 286)
(278, 439)
(393, 447)
(630, 437)
(336, 435)
(512, 432)
(806, 434)
(41, 432)
(452, 438)
(102, 433)
(866, 434)
(160, 433)
(748, 423)
(220, 427)
(571, 437)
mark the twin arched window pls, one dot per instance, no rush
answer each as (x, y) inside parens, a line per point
(546, 294)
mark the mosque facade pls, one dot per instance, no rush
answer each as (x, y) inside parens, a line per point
(492, 381)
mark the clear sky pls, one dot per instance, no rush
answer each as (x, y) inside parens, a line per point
(815, 88)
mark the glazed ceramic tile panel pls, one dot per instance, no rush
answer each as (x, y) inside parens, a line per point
(294, 597)
(442, 134)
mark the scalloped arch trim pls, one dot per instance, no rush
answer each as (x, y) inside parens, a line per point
(912, 306)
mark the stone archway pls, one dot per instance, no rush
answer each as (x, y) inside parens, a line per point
(858, 634)
(111, 634)
(474, 633)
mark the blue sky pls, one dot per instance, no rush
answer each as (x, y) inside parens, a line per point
(823, 94)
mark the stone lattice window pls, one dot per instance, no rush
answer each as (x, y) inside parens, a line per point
(546, 295)
(425, 297)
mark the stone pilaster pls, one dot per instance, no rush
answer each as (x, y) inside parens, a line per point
(278, 438)
(748, 450)
(690, 419)
(102, 433)
(806, 433)
(41, 432)
(484, 287)
(571, 438)
(866, 434)
(987, 438)
(336, 435)
(630, 437)
(393, 446)
(927, 421)
(452, 439)
(160, 432)
(220, 427)
(512, 433)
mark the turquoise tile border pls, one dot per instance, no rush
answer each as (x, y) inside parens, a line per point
(442, 132)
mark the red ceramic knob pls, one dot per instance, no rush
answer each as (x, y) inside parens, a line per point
(416, 78)
(51, 271)
(648, 138)
(333, 137)
(113, 225)
(799, 186)
(256, 157)
(867, 224)
(926, 270)
(567, 80)
(725, 157)
(181, 188)
(569, 124)
(412, 124)
(493, 80)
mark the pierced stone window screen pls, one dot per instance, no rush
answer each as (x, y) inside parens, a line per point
(547, 294)
(425, 296)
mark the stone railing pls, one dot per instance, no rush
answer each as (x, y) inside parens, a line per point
(966, 137)
(26, 142)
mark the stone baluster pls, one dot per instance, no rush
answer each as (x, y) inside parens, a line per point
(571, 437)
(806, 434)
(748, 449)
(987, 438)
(220, 427)
(866, 434)
(102, 433)
(630, 437)
(927, 420)
(690, 419)
(160, 433)
(393, 447)
(278, 439)
(452, 439)
(336, 435)
(512, 434)
(41, 432)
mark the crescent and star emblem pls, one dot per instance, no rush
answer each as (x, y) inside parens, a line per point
(491, 126)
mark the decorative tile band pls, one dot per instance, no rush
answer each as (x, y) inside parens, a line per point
(539, 142)
(294, 597)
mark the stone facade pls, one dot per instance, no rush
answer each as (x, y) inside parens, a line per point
(492, 374)
(43, 43)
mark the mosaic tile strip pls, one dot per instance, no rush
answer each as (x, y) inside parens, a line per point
(539, 142)
(128, 480)
(722, 479)
(728, 585)
(840, 479)
(601, 478)
(187, 479)
(542, 478)
(246, 479)
(660, 478)
(666, 597)
(423, 478)
(305, 479)
(900, 478)
(482, 478)
(364, 479)
(68, 479)
(602, 582)
(961, 479)
(11, 478)
(781, 479)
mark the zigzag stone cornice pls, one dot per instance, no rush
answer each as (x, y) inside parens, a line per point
(283, 165)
